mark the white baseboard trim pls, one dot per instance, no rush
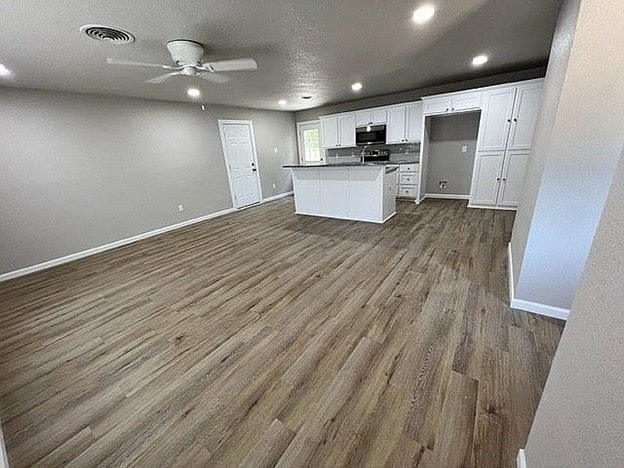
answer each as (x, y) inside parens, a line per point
(510, 275)
(530, 306)
(521, 459)
(112, 245)
(487, 207)
(277, 197)
(447, 196)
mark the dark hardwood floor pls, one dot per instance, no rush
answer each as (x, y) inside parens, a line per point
(264, 338)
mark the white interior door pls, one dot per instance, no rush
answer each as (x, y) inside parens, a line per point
(240, 157)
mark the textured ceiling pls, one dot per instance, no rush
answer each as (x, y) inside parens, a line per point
(315, 47)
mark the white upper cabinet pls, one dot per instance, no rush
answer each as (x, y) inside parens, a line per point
(496, 119)
(338, 131)
(466, 102)
(453, 103)
(395, 129)
(439, 105)
(404, 123)
(526, 108)
(413, 132)
(329, 129)
(370, 117)
(346, 125)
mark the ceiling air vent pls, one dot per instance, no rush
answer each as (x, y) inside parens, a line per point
(106, 34)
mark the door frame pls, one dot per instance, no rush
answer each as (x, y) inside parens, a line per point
(300, 142)
(222, 123)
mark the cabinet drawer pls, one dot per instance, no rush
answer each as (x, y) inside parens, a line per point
(407, 192)
(408, 179)
(409, 167)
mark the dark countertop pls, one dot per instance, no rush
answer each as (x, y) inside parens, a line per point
(350, 164)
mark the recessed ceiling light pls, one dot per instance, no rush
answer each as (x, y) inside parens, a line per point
(306, 97)
(193, 92)
(423, 14)
(357, 86)
(282, 102)
(479, 60)
(4, 71)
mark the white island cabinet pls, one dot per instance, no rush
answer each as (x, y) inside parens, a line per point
(355, 192)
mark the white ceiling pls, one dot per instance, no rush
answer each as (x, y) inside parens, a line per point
(315, 47)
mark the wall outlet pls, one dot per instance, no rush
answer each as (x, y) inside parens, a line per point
(274, 186)
(180, 208)
(442, 184)
(464, 149)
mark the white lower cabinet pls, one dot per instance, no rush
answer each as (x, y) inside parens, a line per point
(498, 178)
(408, 181)
(334, 192)
(487, 177)
(514, 171)
(365, 193)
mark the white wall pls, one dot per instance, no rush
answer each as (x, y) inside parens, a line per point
(579, 135)
(79, 171)
(580, 419)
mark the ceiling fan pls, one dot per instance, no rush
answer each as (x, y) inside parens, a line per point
(187, 56)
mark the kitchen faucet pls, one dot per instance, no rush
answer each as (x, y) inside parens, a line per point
(362, 153)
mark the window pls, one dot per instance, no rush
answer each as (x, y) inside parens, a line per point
(310, 150)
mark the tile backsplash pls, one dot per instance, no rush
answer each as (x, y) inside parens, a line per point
(398, 153)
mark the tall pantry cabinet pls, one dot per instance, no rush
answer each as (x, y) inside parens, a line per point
(505, 135)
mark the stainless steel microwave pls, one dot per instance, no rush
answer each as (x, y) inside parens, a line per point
(370, 135)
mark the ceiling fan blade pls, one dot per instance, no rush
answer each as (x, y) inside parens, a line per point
(233, 65)
(214, 77)
(132, 63)
(162, 78)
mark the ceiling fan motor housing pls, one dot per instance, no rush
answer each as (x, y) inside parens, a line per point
(185, 52)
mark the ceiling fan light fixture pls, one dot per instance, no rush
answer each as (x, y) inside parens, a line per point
(193, 92)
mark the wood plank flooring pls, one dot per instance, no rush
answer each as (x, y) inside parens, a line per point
(263, 338)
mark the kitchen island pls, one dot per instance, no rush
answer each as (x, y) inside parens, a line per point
(354, 191)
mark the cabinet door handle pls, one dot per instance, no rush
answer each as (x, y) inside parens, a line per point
(453, 109)
(504, 180)
(446, 109)
(515, 120)
(498, 179)
(508, 120)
